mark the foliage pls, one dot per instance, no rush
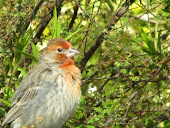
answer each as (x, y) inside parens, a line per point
(125, 81)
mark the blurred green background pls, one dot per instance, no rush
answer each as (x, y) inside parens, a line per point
(125, 66)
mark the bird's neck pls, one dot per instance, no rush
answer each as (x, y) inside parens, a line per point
(67, 63)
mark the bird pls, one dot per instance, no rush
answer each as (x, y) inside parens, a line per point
(50, 92)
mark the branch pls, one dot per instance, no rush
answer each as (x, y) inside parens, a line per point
(28, 21)
(74, 17)
(100, 38)
(45, 20)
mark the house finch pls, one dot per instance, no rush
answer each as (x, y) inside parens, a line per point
(50, 92)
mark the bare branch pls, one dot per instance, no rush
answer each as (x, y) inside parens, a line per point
(74, 17)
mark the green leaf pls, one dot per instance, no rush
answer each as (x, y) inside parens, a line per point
(148, 42)
(23, 72)
(79, 114)
(8, 92)
(5, 102)
(145, 50)
(3, 110)
(97, 109)
(167, 124)
(56, 25)
(27, 54)
(35, 51)
(10, 63)
(1, 4)
(110, 5)
(58, 28)
(21, 44)
(83, 101)
(118, 125)
(90, 126)
(74, 33)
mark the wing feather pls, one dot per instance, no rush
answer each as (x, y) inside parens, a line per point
(18, 104)
(27, 91)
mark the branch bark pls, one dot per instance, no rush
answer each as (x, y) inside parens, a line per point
(100, 38)
(74, 17)
(30, 18)
(40, 30)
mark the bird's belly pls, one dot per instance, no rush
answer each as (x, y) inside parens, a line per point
(59, 108)
(60, 105)
(51, 112)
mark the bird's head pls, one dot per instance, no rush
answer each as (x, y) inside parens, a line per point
(58, 51)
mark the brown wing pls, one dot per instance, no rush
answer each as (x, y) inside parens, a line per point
(18, 104)
(27, 91)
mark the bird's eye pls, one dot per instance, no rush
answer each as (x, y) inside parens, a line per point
(59, 50)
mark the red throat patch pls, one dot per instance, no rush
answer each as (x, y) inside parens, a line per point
(67, 63)
(61, 57)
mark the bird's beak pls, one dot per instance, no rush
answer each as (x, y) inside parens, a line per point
(72, 52)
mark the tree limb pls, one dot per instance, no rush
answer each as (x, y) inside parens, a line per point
(100, 38)
(74, 17)
(30, 18)
(40, 30)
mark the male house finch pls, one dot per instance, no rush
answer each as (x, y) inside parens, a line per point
(50, 92)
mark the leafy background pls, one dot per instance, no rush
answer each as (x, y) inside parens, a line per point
(124, 59)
